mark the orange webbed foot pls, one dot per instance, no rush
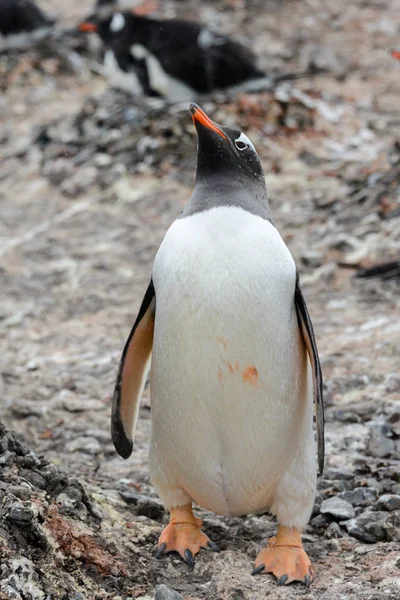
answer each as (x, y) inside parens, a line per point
(183, 534)
(285, 558)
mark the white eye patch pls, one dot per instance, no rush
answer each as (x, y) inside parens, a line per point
(243, 139)
(117, 22)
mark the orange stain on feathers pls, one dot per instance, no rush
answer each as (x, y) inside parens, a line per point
(221, 340)
(250, 375)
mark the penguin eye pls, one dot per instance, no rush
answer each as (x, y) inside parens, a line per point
(240, 145)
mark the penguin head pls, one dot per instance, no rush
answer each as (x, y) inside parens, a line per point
(105, 24)
(225, 152)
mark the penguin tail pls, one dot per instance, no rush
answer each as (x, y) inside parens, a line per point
(262, 82)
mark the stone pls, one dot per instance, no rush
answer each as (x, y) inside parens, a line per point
(379, 445)
(82, 405)
(34, 478)
(163, 592)
(360, 496)
(392, 526)
(71, 507)
(374, 483)
(23, 512)
(319, 523)
(388, 502)
(26, 408)
(84, 444)
(368, 527)
(392, 383)
(317, 505)
(145, 505)
(23, 492)
(333, 531)
(337, 508)
(22, 580)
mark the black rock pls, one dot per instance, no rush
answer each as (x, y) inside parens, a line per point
(22, 513)
(20, 491)
(369, 527)
(145, 505)
(34, 478)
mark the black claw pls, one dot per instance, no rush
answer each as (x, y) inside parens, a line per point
(307, 580)
(189, 558)
(213, 546)
(161, 550)
(258, 569)
(282, 580)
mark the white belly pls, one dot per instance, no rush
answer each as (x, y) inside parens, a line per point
(128, 82)
(229, 392)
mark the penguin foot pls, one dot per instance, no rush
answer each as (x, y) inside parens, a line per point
(285, 558)
(184, 535)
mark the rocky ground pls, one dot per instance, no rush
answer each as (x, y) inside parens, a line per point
(89, 182)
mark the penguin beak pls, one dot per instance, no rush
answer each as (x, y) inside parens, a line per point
(199, 116)
(87, 26)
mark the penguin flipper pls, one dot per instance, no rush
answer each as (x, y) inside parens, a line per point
(307, 331)
(131, 378)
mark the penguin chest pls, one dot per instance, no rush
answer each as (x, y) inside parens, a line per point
(229, 371)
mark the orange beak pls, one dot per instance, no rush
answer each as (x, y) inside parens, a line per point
(396, 54)
(88, 27)
(201, 117)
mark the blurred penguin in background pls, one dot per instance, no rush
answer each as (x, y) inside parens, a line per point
(22, 23)
(174, 59)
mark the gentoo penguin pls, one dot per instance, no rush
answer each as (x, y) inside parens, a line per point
(182, 59)
(21, 23)
(234, 364)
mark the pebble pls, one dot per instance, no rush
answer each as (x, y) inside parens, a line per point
(388, 502)
(23, 492)
(337, 508)
(163, 592)
(70, 507)
(333, 531)
(360, 496)
(368, 527)
(392, 383)
(36, 479)
(22, 512)
(24, 408)
(21, 580)
(379, 445)
(82, 405)
(84, 444)
(374, 483)
(392, 526)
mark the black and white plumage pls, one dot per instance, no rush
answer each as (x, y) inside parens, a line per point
(21, 23)
(172, 58)
(234, 368)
